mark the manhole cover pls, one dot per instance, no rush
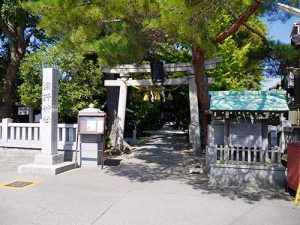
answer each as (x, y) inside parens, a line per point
(18, 184)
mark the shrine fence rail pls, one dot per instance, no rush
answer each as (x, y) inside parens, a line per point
(245, 155)
(27, 135)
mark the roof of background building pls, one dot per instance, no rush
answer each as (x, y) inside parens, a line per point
(248, 101)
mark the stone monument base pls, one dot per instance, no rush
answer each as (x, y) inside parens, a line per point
(44, 159)
(47, 164)
(46, 169)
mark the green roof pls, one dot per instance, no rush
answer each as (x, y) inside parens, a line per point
(248, 101)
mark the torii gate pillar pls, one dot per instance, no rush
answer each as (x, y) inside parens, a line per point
(194, 127)
(121, 110)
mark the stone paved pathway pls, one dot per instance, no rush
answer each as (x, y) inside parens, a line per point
(158, 158)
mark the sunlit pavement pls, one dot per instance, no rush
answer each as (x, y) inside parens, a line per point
(150, 186)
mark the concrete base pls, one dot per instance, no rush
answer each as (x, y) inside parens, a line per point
(46, 169)
(18, 155)
(248, 176)
(24, 155)
(43, 159)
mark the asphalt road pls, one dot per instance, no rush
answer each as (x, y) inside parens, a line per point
(150, 186)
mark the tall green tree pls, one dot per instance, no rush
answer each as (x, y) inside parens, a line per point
(18, 33)
(80, 81)
(123, 31)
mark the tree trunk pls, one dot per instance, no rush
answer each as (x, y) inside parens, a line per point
(112, 99)
(9, 90)
(17, 46)
(198, 61)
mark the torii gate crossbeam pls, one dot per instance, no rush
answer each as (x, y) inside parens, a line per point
(289, 9)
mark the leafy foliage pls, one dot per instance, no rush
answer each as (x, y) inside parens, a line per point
(282, 57)
(125, 31)
(80, 80)
(145, 115)
(236, 71)
(122, 31)
(277, 60)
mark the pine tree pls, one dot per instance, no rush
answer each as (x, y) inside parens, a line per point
(127, 31)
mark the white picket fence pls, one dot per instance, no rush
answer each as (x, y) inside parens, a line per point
(246, 155)
(27, 135)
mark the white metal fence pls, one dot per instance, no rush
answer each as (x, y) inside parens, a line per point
(27, 135)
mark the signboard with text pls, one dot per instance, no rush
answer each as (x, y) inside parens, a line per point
(22, 111)
(91, 125)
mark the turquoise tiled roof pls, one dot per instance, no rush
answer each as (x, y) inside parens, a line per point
(248, 101)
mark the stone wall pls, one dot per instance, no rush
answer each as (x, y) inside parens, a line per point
(25, 155)
(248, 176)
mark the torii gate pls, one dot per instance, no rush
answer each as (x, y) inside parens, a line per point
(124, 81)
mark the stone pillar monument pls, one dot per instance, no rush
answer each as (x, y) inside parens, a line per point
(48, 129)
(49, 161)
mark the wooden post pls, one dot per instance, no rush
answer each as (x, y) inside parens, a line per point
(265, 141)
(227, 132)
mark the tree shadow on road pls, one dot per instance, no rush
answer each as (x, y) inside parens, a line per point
(160, 158)
(249, 195)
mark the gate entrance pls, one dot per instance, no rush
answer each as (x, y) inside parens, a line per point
(124, 81)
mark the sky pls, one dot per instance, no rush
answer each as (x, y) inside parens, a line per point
(281, 31)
